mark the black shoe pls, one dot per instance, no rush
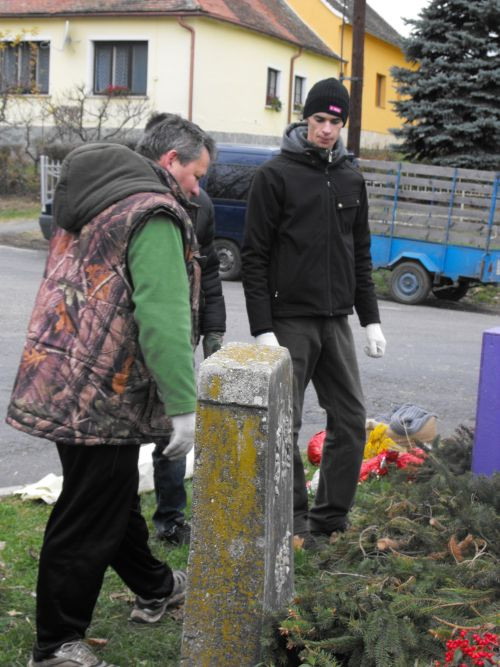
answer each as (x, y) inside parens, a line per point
(180, 533)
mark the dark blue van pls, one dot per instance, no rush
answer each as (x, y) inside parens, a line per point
(227, 182)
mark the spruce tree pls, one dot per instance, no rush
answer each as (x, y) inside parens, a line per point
(451, 102)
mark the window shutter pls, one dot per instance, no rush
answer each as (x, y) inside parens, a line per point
(42, 79)
(139, 68)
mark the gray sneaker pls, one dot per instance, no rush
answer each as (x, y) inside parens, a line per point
(71, 654)
(151, 611)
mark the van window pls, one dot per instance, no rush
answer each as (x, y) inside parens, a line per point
(229, 181)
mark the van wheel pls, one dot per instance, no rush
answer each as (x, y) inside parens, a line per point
(410, 283)
(229, 258)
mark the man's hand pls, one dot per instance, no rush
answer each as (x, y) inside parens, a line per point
(267, 338)
(376, 341)
(182, 438)
(212, 341)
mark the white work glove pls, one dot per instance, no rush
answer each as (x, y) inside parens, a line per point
(267, 338)
(376, 341)
(182, 438)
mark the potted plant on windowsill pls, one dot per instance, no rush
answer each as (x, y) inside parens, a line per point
(274, 103)
(116, 91)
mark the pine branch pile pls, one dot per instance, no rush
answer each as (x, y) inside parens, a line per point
(419, 563)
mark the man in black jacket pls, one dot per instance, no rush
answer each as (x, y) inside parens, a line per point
(168, 518)
(306, 264)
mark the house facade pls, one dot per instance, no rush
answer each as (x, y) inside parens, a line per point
(239, 68)
(331, 20)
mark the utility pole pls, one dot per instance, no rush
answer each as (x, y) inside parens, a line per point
(358, 50)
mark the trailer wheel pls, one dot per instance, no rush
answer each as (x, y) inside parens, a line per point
(410, 283)
(229, 258)
(451, 292)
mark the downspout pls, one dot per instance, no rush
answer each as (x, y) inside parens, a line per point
(290, 84)
(191, 65)
(342, 64)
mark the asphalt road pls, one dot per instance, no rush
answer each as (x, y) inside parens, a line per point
(432, 360)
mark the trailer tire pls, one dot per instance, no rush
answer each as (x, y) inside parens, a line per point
(410, 283)
(229, 256)
(451, 292)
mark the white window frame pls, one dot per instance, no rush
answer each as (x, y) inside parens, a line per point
(39, 39)
(304, 87)
(278, 83)
(380, 90)
(92, 39)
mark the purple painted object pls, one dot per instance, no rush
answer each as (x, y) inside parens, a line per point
(486, 453)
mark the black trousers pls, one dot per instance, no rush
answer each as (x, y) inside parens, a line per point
(95, 523)
(171, 498)
(322, 350)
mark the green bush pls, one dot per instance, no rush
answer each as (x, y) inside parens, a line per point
(55, 151)
(18, 174)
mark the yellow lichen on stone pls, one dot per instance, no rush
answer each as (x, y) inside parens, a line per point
(226, 507)
(245, 354)
(215, 387)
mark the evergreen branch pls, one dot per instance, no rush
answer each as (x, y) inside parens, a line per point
(345, 574)
(455, 626)
(361, 535)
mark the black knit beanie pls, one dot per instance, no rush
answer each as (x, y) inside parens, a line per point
(328, 96)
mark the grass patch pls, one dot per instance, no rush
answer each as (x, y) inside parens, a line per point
(22, 524)
(381, 278)
(389, 153)
(19, 208)
(484, 294)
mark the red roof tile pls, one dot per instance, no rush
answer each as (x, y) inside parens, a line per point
(271, 17)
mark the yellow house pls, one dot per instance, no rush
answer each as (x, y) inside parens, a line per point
(332, 23)
(238, 68)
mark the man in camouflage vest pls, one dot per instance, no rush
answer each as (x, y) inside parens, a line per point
(171, 498)
(108, 365)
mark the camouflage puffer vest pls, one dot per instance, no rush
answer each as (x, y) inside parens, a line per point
(82, 377)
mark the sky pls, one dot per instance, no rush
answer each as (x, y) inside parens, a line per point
(393, 12)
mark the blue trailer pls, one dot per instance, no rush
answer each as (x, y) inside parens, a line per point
(435, 228)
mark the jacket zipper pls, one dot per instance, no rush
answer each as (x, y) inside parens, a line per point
(328, 222)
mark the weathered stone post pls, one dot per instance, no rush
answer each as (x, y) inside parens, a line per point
(241, 559)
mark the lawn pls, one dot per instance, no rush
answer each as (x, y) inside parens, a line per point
(19, 208)
(116, 640)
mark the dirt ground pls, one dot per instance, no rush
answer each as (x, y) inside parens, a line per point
(21, 229)
(8, 202)
(33, 240)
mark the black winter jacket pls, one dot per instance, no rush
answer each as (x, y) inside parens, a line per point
(306, 248)
(213, 309)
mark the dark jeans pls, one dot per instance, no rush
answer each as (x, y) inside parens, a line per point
(322, 350)
(95, 523)
(169, 489)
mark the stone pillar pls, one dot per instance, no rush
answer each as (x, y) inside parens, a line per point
(241, 558)
(486, 452)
